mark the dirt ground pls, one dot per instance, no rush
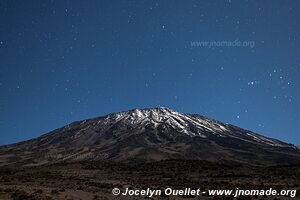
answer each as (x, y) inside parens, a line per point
(95, 180)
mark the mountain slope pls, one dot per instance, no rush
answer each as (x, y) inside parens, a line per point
(150, 135)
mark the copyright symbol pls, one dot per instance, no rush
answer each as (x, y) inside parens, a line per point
(116, 191)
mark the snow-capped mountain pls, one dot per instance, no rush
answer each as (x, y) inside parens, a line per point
(150, 135)
(189, 124)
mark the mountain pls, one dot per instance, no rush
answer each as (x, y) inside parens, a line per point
(150, 135)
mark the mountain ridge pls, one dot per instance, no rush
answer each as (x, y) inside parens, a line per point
(149, 134)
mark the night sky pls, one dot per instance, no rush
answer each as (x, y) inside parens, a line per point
(235, 61)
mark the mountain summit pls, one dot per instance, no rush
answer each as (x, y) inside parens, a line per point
(150, 135)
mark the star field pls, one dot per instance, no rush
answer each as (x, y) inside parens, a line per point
(63, 61)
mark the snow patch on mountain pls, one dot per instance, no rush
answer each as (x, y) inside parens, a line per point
(192, 125)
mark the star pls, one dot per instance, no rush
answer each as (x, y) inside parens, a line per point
(252, 83)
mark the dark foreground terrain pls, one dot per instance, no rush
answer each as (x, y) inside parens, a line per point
(95, 180)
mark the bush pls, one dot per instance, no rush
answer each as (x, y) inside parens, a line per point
(21, 195)
(54, 192)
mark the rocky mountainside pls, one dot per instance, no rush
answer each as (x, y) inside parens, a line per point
(150, 135)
